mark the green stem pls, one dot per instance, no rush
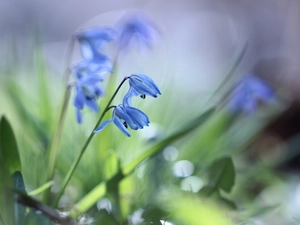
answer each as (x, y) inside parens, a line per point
(56, 141)
(57, 135)
(76, 162)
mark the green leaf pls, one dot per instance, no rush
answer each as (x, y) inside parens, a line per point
(41, 188)
(6, 196)
(189, 209)
(238, 55)
(260, 211)
(230, 204)
(19, 210)
(8, 147)
(45, 100)
(222, 174)
(154, 214)
(206, 191)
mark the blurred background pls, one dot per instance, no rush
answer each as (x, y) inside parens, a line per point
(198, 41)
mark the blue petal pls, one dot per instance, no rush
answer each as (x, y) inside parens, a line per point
(78, 116)
(138, 117)
(86, 50)
(92, 104)
(148, 81)
(120, 125)
(144, 85)
(102, 125)
(248, 92)
(121, 113)
(91, 79)
(135, 28)
(97, 35)
(79, 98)
(93, 39)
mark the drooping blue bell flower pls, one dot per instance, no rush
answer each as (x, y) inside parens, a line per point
(87, 92)
(124, 116)
(143, 85)
(248, 93)
(93, 39)
(136, 30)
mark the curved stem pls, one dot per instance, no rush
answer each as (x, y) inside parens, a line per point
(76, 162)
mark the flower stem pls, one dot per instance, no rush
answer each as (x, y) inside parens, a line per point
(76, 162)
(56, 140)
(57, 135)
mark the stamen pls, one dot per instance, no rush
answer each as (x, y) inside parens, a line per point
(143, 96)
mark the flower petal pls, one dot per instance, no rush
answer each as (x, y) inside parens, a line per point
(144, 85)
(136, 29)
(91, 103)
(138, 117)
(78, 116)
(102, 125)
(148, 81)
(248, 92)
(120, 125)
(93, 39)
(121, 113)
(79, 98)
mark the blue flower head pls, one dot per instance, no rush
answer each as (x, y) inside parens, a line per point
(136, 29)
(87, 91)
(248, 93)
(143, 85)
(124, 116)
(92, 41)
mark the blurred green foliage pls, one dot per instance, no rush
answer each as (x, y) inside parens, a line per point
(125, 180)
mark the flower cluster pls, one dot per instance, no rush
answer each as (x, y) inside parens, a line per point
(125, 115)
(89, 72)
(248, 93)
(132, 28)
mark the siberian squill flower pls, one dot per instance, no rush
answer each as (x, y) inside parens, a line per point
(92, 41)
(136, 29)
(143, 85)
(248, 93)
(87, 91)
(124, 116)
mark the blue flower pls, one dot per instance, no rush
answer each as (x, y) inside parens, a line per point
(248, 93)
(92, 41)
(87, 92)
(143, 85)
(135, 28)
(124, 116)
(93, 67)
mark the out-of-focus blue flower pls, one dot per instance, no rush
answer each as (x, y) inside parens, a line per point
(92, 67)
(143, 85)
(248, 93)
(87, 91)
(92, 41)
(124, 116)
(136, 29)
